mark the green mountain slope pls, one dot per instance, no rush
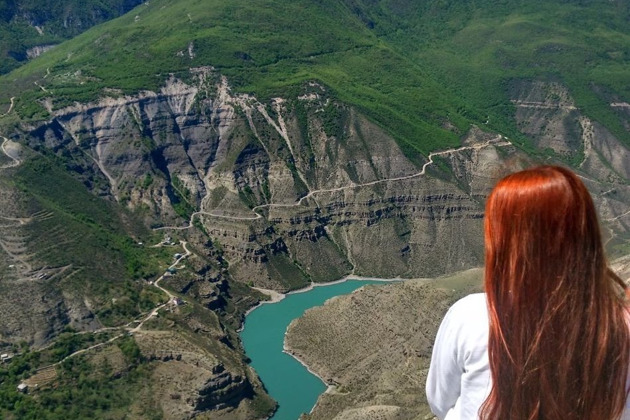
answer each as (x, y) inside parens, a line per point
(477, 48)
(27, 24)
(410, 66)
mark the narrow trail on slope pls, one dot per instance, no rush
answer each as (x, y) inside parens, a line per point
(168, 293)
(10, 106)
(612, 219)
(127, 327)
(15, 162)
(494, 142)
(41, 87)
(542, 105)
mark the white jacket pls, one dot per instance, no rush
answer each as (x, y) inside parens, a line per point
(459, 376)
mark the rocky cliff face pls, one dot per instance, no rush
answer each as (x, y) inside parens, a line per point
(306, 189)
(273, 193)
(293, 190)
(196, 378)
(545, 112)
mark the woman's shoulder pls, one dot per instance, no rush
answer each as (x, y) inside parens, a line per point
(465, 325)
(473, 301)
(469, 310)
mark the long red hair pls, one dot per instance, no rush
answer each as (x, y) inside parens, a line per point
(559, 344)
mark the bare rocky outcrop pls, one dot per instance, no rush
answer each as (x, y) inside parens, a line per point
(38, 50)
(221, 391)
(300, 189)
(285, 185)
(195, 379)
(546, 112)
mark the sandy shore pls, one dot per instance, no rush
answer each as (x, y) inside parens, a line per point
(276, 296)
(344, 279)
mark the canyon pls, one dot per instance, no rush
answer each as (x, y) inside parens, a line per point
(277, 195)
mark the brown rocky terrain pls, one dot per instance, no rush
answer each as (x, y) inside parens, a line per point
(187, 379)
(273, 185)
(374, 346)
(182, 369)
(283, 185)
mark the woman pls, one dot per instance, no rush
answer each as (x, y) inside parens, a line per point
(550, 337)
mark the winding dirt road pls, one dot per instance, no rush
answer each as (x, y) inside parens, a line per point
(157, 284)
(10, 107)
(497, 141)
(127, 327)
(15, 162)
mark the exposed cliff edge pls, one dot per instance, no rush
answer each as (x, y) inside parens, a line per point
(299, 189)
(293, 190)
(305, 187)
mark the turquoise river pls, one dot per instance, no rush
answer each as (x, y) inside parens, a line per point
(286, 380)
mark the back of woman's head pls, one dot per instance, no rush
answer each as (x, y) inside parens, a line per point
(559, 345)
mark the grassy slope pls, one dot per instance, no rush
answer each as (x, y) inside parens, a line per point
(58, 20)
(262, 52)
(83, 389)
(93, 237)
(476, 48)
(408, 65)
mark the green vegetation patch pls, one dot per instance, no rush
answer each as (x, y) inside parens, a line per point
(25, 24)
(183, 200)
(414, 68)
(82, 389)
(105, 251)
